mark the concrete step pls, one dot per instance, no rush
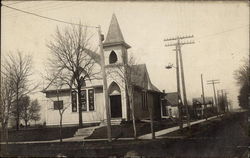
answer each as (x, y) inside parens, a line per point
(113, 122)
(85, 132)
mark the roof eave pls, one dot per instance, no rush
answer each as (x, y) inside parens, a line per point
(108, 44)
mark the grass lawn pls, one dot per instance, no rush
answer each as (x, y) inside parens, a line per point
(41, 134)
(125, 130)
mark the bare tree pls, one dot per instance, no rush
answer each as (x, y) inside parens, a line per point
(242, 76)
(19, 69)
(34, 111)
(7, 100)
(30, 110)
(130, 73)
(73, 59)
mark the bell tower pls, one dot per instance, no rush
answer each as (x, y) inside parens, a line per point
(115, 56)
(114, 46)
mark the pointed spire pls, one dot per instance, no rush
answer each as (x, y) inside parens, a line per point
(114, 35)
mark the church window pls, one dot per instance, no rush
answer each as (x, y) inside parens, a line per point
(58, 105)
(112, 57)
(83, 100)
(74, 101)
(91, 99)
(144, 101)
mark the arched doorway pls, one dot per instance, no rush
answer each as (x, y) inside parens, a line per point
(115, 100)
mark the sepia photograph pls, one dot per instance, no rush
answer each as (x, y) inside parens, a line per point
(125, 79)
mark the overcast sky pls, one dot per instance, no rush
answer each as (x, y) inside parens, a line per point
(220, 29)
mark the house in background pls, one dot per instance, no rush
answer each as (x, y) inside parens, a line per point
(145, 94)
(170, 105)
(199, 106)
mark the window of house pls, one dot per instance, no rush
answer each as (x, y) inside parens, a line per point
(87, 98)
(144, 101)
(58, 105)
(112, 57)
(91, 99)
(74, 101)
(83, 100)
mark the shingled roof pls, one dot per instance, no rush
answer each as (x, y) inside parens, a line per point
(114, 35)
(172, 98)
(141, 78)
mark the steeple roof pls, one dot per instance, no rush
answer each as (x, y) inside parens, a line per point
(114, 35)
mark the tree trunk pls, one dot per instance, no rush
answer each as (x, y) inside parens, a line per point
(151, 108)
(131, 100)
(80, 106)
(61, 127)
(26, 123)
(4, 136)
(17, 108)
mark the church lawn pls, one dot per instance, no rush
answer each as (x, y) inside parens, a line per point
(125, 130)
(40, 134)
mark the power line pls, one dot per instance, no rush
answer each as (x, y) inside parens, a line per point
(16, 3)
(178, 44)
(48, 18)
(218, 33)
(34, 7)
(46, 8)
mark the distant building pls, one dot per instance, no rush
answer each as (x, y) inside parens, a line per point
(93, 110)
(199, 107)
(170, 105)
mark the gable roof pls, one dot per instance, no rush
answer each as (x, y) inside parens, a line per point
(172, 98)
(200, 100)
(140, 77)
(95, 56)
(114, 35)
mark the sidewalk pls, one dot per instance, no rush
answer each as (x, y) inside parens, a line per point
(143, 137)
(172, 129)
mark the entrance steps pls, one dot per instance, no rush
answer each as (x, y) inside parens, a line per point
(85, 132)
(113, 122)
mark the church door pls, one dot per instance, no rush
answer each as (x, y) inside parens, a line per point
(116, 106)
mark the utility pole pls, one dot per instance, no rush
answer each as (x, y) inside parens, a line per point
(226, 101)
(213, 82)
(178, 43)
(220, 99)
(178, 89)
(203, 98)
(105, 92)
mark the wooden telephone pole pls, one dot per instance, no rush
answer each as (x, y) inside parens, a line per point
(213, 82)
(203, 98)
(178, 44)
(105, 90)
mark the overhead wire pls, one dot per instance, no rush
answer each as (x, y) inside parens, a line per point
(34, 7)
(48, 18)
(17, 2)
(51, 8)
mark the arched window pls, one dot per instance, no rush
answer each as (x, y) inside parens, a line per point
(112, 57)
(114, 89)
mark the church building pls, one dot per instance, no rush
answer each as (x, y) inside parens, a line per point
(146, 97)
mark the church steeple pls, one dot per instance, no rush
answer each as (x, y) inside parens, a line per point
(114, 35)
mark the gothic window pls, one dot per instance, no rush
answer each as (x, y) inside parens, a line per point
(112, 57)
(74, 101)
(83, 100)
(91, 99)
